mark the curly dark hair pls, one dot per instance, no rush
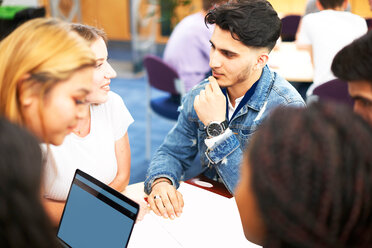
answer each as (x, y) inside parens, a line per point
(23, 222)
(354, 62)
(312, 177)
(253, 22)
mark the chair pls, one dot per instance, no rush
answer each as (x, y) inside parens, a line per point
(162, 77)
(369, 23)
(289, 27)
(334, 90)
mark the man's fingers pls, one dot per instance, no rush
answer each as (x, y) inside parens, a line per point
(180, 202)
(159, 204)
(214, 85)
(168, 207)
(153, 205)
(208, 89)
(177, 202)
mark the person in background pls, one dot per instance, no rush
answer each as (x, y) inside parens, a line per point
(324, 33)
(99, 144)
(23, 221)
(187, 49)
(306, 180)
(46, 74)
(218, 117)
(353, 64)
(311, 7)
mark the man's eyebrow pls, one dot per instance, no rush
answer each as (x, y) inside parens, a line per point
(223, 50)
(359, 97)
(227, 51)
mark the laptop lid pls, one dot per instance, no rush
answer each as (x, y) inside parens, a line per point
(96, 215)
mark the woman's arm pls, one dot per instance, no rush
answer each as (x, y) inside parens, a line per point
(54, 210)
(122, 151)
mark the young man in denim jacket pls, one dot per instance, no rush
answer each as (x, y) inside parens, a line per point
(218, 116)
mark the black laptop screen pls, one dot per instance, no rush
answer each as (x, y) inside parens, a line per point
(95, 217)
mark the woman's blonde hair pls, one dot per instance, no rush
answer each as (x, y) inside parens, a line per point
(34, 58)
(89, 33)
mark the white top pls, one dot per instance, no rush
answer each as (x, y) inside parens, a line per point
(93, 154)
(328, 31)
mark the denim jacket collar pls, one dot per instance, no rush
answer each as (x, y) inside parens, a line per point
(262, 91)
(261, 94)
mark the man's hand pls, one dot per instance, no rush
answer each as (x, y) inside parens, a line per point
(165, 200)
(210, 104)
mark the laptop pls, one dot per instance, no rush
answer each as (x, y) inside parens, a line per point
(96, 215)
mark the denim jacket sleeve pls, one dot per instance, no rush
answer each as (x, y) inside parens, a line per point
(226, 156)
(178, 149)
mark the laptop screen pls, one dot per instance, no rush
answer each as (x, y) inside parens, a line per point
(95, 215)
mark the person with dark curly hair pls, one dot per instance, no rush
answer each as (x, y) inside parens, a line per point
(218, 117)
(307, 180)
(23, 222)
(353, 64)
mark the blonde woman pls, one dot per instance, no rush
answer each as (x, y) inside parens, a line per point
(99, 145)
(45, 75)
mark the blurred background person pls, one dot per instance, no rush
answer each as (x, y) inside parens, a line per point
(311, 7)
(23, 222)
(324, 33)
(309, 184)
(187, 49)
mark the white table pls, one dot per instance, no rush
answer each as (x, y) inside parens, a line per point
(291, 63)
(208, 220)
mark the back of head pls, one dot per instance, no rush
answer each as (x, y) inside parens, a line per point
(208, 4)
(354, 62)
(331, 4)
(253, 22)
(89, 33)
(36, 56)
(23, 222)
(311, 173)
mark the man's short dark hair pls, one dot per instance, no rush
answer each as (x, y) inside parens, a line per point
(253, 22)
(354, 62)
(331, 4)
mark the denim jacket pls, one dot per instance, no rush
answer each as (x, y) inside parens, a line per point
(186, 138)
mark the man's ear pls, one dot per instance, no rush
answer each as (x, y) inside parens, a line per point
(262, 60)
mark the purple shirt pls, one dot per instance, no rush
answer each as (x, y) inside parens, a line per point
(187, 49)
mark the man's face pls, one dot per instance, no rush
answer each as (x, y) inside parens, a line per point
(361, 92)
(231, 61)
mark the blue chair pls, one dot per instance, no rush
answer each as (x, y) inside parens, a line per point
(162, 77)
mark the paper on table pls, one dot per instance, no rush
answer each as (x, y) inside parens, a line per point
(208, 220)
(149, 233)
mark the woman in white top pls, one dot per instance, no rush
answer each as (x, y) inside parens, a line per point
(99, 145)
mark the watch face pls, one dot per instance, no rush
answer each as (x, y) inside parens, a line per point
(214, 129)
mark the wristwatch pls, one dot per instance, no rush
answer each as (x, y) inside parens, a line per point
(215, 128)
